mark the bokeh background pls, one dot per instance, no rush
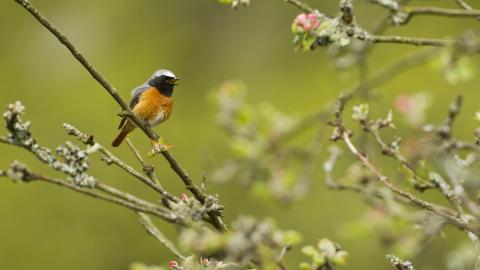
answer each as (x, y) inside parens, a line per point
(204, 43)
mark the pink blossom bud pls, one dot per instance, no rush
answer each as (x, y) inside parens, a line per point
(404, 103)
(312, 16)
(307, 22)
(301, 18)
(184, 197)
(172, 264)
(307, 26)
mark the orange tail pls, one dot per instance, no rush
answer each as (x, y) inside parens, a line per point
(121, 136)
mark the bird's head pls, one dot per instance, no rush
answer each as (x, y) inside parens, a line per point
(164, 80)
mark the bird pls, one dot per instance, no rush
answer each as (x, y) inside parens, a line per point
(152, 102)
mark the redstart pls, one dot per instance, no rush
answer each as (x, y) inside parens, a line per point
(152, 102)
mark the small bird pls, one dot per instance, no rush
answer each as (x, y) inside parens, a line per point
(152, 102)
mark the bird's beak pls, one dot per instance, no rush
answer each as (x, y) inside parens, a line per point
(172, 81)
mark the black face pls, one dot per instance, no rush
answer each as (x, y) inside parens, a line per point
(164, 84)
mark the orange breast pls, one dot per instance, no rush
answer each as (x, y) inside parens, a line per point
(151, 103)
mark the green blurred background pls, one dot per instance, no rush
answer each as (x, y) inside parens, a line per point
(204, 43)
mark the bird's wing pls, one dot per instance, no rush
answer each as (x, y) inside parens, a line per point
(136, 93)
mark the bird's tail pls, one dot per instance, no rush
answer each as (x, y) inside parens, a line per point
(126, 127)
(119, 139)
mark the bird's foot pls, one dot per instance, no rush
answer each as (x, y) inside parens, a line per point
(147, 124)
(122, 113)
(159, 146)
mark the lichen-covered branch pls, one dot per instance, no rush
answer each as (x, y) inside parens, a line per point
(341, 133)
(437, 11)
(448, 215)
(174, 164)
(399, 264)
(342, 29)
(186, 212)
(405, 40)
(20, 173)
(110, 158)
(75, 162)
(401, 14)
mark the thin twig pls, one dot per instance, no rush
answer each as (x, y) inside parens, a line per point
(147, 169)
(311, 120)
(390, 71)
(372, 38)
(400, 264)
(155, 232)
(111, 158)
(419, 203)
(464, 4)
(406, 40)
(280, 257)
(299, 4)
(154, 210)
(328, 169)
(174, 164)
(437, 11)
(125, 196)
(463, 195)
(447, 192)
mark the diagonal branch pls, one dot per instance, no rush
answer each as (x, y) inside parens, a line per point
(174, 164)
(299, 4)
(414, 201)
(147, 169)
(151, 209)
(111, 158)
(463, 4)
(155, 232)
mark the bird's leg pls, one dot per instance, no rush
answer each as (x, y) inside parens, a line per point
(164, 146)
(146, 123)
(159, 146)
(123, 113)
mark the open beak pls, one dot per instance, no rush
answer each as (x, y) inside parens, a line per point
(173, 81)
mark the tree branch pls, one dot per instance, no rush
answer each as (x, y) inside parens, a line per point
(465, 5)
(328, 166)
(155, 232)
(174, 164)
(400, 264)
(299, 4)
(419, 203)
(361, 34)
(437, 11)
(147, 169)
(111, 158)
(132, 203)
(405, 40)
(390, 71)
